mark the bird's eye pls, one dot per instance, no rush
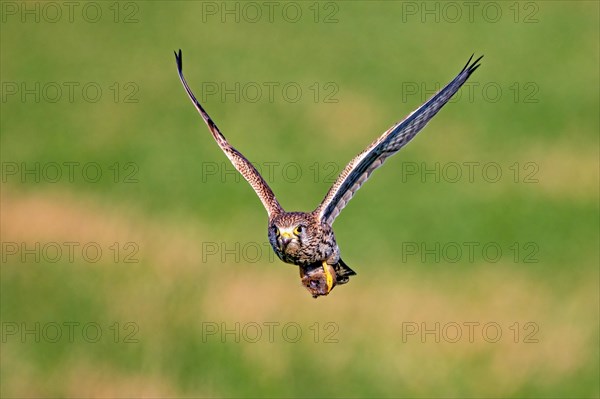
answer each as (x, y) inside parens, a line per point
(298, 230)
(276, 231)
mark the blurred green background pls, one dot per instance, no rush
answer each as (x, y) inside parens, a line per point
(102, 151)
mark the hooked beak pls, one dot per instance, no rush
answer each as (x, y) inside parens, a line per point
(285, 239)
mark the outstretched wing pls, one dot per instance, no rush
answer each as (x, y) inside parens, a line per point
(240, 162)
(361, 167)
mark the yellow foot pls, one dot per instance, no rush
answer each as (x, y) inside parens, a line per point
(328, 276)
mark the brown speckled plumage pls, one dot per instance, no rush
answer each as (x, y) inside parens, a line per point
(306, 239)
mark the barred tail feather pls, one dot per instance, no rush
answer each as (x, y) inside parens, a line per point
(343, 272)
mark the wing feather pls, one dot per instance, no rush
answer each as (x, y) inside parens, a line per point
(390, 142)
(240, 162)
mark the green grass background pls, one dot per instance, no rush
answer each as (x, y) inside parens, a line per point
(370, 51)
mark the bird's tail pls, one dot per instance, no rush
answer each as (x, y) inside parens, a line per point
(343, 272)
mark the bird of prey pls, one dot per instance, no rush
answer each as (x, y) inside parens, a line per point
(306, 239)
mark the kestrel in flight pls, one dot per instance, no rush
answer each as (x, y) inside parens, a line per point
(306, 239)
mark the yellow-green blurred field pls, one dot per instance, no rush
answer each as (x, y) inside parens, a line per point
(476, 247)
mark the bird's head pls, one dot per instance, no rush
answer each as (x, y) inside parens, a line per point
(290, 232)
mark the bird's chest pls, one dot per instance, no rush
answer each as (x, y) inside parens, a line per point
(313, 251)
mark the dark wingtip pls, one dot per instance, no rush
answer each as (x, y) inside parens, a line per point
(179, 59)
(468, 62)
(470, 67)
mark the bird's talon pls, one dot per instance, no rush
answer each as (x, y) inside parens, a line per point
(328, 276)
